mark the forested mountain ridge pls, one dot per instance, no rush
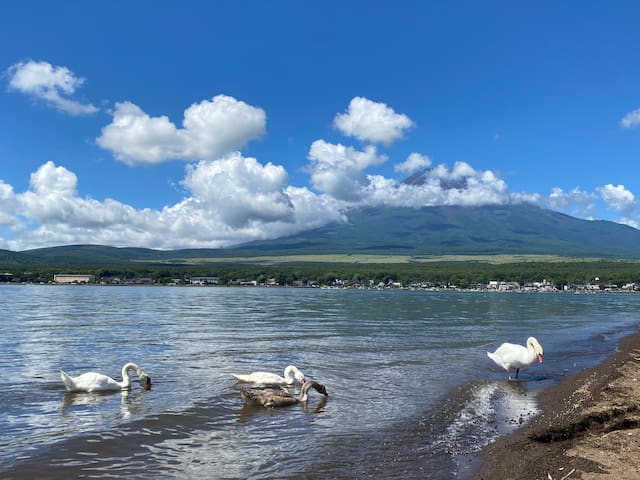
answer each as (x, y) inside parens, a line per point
(429, 231)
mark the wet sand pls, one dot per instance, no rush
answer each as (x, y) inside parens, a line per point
(589, 427)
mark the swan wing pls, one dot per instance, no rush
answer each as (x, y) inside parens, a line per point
(510, 355)
(90, 382)
(260, 378)
(280, 401)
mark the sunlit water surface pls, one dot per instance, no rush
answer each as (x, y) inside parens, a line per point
(408, 378)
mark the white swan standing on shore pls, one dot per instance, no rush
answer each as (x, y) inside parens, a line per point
(280, 398)
(511, 356)
(291, 374)
(97, 382)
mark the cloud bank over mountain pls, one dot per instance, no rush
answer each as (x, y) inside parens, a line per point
(231, 198)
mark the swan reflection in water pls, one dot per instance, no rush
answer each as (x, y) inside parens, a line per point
(247, 410)
(129, 402)
(492, 409)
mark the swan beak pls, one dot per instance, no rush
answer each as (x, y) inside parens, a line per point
(540, 357)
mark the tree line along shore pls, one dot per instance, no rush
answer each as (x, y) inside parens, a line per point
(588, 276)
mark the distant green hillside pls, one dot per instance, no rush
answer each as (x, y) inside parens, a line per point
(487, 230)
(389, 232)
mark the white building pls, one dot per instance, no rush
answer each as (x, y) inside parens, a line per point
(73, 278)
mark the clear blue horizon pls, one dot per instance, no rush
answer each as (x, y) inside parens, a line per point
(166, 125)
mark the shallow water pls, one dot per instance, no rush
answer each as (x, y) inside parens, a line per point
(408, 378)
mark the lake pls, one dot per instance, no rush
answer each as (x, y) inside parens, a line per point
(412, 393)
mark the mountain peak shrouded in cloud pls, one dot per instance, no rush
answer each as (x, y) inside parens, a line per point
(339, 170)
(220, 124)
(415, 161)
(210, 129)
(54, 85)
(230, 198)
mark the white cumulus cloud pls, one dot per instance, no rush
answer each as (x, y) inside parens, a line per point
(229, 201)
(372, 122)
(460, 185)
(618, 198)
(338, 170)
(210, 129)
(413, 163)
(53, 84)
(248, 190)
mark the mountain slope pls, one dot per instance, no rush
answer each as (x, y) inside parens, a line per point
(453, 230)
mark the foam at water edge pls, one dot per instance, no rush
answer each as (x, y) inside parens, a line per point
(493, 410)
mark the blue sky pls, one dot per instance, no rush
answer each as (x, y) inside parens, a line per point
(205, 124)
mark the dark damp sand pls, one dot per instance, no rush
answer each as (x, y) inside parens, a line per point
(589, 427)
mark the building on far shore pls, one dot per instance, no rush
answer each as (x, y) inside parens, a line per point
(204, 280)
(73, 278)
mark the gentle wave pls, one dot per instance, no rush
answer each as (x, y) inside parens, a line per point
(391, 361)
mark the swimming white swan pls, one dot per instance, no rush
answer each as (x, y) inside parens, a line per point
(291, 374)
(280, 398)
(510, 356)
(97, 382)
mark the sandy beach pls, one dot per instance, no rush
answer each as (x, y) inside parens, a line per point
(589, 427)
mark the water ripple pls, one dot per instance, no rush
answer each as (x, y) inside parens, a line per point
(386, 358)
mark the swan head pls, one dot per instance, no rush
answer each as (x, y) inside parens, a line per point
(537, 348)
(145, 381)
(320, 388)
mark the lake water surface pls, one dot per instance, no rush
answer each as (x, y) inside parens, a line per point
(411, 391)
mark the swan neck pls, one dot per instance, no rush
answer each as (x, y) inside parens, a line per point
(303, 391)
(126, 378)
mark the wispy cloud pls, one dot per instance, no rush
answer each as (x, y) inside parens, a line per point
(576, 202)
(631, 119)
(54, 85)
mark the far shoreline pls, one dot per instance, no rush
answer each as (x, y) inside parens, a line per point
(618, 291)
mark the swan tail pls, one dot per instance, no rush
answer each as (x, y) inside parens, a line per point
(66, 379)
(241, 378)
(497, 360)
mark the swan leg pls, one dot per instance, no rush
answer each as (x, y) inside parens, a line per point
(517, 372)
